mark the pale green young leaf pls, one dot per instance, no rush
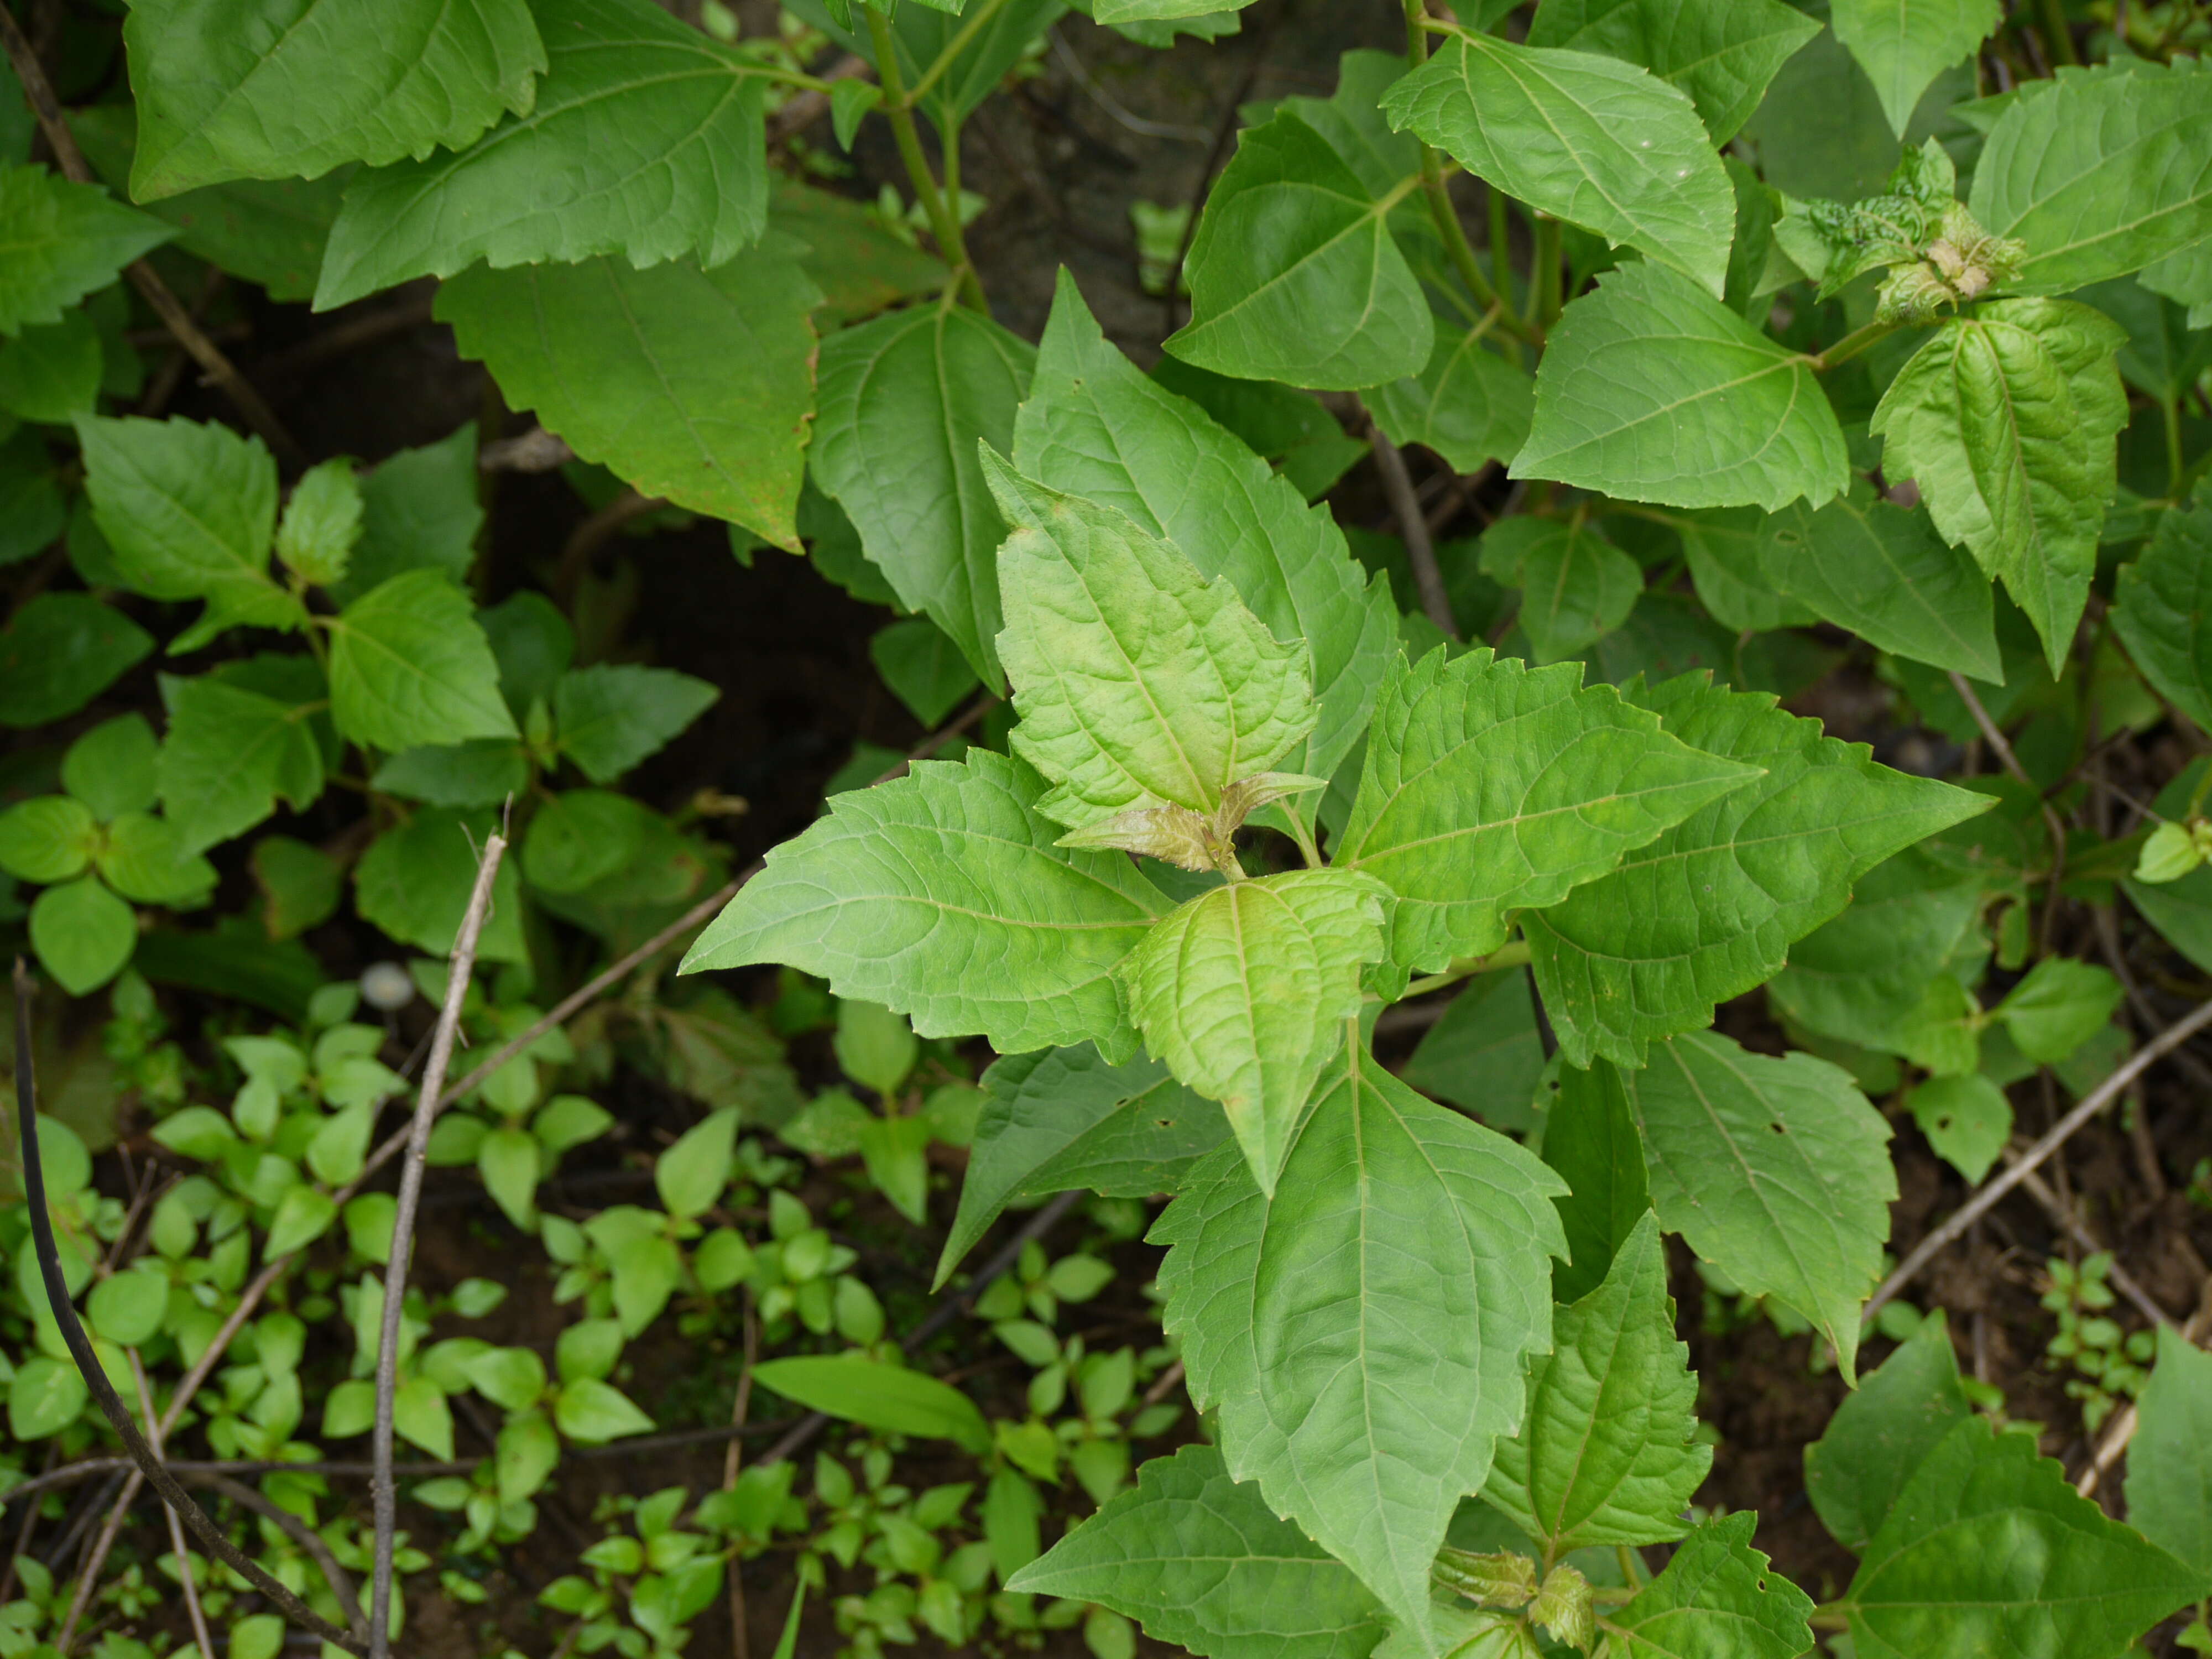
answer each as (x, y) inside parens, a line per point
(64, 241)
(1490, 788)
(1776, 1171)
(1362, 1335)
(2058, 1006)
(905, 400)
(1710, 909)
(47, 838)
(1576, 585)
(1060, 1118)
(1243, 992)
(414, 881)
(229, 755)
(1201, 1561)
(276, 89)
(1881, 1432)
(942, 896)
(1652, 391)
(2169, 1487)
(1718, 1599)
(321, 523)
(2108, 171)
(1594, 141)
(1721, 52)
(610, 716)
(1140, 682)
(2007, 420)
(1591, 1138)
(692, 385)
(409, 666)
(1721, 545)
(878, 1396)
(1605, 1457)
(1294, 275)
(1468, 404)
(646, 140)
(1882, 572)
(2163, 607)
(1903, 44)
(1096, 427)
(1989, 1548)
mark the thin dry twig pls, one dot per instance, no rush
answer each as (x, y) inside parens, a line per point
(2068, 1216)
(534, 451)
(1413, 525)
(2051, 822)
(185, 1575)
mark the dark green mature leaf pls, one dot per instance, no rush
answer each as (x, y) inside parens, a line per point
(1096, 427)
(279, 89)
(1294, 274)
(646, 140)
(2186, 279)
(414, 882)
(2107, 171)
(1903, 44)
(1709, 910)
(1653, 392)
(1591, 1138)
(229, 755)
(410, 666)
(2163, 608)
(1776, 1171)
(2169, 1479)
(59, 652)
(1484, 1056)
(2162, 358)
(922, 666)
(861, 267)
(1718, 1599)
(694, 385)
(1362, 1333)
(419, 511)
(904, 402)
(1820, 132)
(942, 894)
(1576, 585)
(611, 715)
(1468, 404)
(64, 241)
(1882, 1432)
(32, 513)
(1489, 788)
(1882, 572)
(1596, 141)
(482, 773)
(52, 370)
(1063, 1118)
(1989, 1548)
(1721, 545)
(1721, 52)
(1199, 1560)
(1139, 683)
(1245, 992)
(1606, 1456)
(2007, 420)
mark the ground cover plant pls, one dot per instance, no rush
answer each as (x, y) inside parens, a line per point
(1300, 831)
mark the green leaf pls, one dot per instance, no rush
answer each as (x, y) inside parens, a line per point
(878, 1396)
(1294, 275)
(83, 935)
(48, 838)
(1469, 405)
(861, 267)
(612, 716)
(2163, 607)
(1362, 1333)
(229, 755)
(593, 1412)
(1591, 140)
(189, 512)
(507, 1159)
(65, 241)
(414, 881)
(482, 773)
(929, 30)
(1139, 683)
(144, 859)
(2169, 1487)
(2007, 420)
(1096, 427)
(513, 1379)
(1591, 1138)
(691, 385)
(1061, 1118)
(1718, 1599)
(1721, 545)
(46, 1395)
(2059, 1007)
(1881, 1432)
(321, 523)
(1968, 1120)
(32, 515)
(1484, 1056)
(274, 90)
(580, 837)
(942, 894)
(1710, 909)
(1776, 1171)
(2107, 171)
(1721, 52)
(895, 1151)
(303, 1215)
(690, 1177)
(409, 666)
(905, 401)
(923, 668)
(1199, 1560)
(1651, 390)
(1489, 788)
(51, 371)
(1606, 1456)
(526, 1456)
(1904, 45)
(126, 1307)
(419, 510)
(645, 141)
(1245, 992)
(1988, 1547)
(1883, 572)
(2162, 358)
(1576, 587)
(59, 652)
(111, 768)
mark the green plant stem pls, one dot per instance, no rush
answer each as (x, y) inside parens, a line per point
(2170, 410)
(944, 223)
(1456, 246)
(1309, 849)
(1501, 240)
(1512, 955)
(1851, 344)
(2057, 37)
(1543, 295)
(959, 43)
